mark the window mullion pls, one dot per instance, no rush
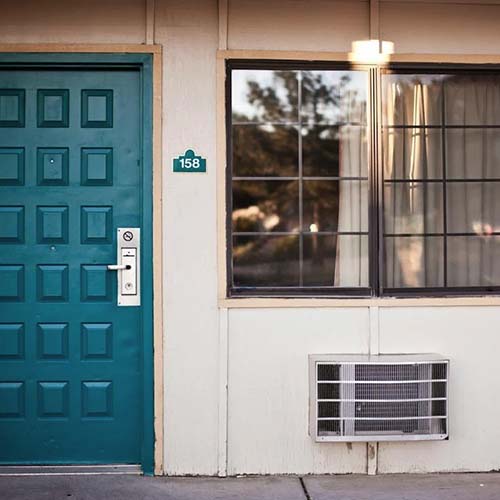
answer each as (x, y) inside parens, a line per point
(376, 211)
(301, 184)
(445, 204)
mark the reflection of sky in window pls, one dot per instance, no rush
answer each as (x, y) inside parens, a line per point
(264, 78)
(350, 106)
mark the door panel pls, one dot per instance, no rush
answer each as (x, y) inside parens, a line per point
(71, 370)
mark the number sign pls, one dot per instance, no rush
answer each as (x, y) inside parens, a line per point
(190, 162)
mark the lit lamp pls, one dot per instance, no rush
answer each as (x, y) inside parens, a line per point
(371, 51)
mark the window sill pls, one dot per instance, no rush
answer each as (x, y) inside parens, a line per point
(293, 302)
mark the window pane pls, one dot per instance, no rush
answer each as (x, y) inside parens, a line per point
(473, 153)
(264, 96)
(413, 208)
(413, 262)
(321, 150)
(266, 261)
(265, 206)
(472, 99)
(473, 261)
(412, 153)
(334, 96)
(412, 150)
(339, 151)
(320, 252)
(473, 207)
(335, 206)
(412, 99)
(265, 150)
(335, 260)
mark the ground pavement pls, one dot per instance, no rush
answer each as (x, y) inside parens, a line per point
(350, 487)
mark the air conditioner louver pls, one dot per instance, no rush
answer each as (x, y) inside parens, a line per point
(378, 398)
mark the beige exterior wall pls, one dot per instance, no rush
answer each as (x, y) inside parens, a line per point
(296, 25)
(73, 21)
(437, 27)
(269, 389)
(468, 336)
(188, 31)
(261, 353)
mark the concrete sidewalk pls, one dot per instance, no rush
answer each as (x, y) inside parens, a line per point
(352, 487)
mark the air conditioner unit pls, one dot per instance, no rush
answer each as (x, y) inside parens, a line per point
(378, 398)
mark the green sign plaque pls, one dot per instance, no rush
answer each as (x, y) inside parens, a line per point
(190, 162)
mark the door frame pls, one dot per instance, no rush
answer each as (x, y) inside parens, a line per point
(146, 58)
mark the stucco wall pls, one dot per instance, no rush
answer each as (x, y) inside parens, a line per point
(188, 31)
(74, 21)
(437, 27)
(269, 388)
(266, 417)
(468, 336)
(296, 25)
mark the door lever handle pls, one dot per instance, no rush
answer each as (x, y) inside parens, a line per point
(118, 267)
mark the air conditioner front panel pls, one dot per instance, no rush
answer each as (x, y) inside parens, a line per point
(374, 398)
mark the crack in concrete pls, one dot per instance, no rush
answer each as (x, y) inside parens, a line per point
(304, 489)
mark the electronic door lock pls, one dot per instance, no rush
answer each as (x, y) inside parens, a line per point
(128, 253)
(129, 274)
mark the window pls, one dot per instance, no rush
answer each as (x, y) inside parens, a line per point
(441, 181)
(313, 211)
(299, 180)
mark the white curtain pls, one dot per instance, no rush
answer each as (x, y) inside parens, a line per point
(415, 154)
(351, 265)
(474, 154)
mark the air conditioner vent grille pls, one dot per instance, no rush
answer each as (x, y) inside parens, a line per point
(381, 398)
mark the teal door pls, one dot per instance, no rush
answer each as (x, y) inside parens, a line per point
(71, 174)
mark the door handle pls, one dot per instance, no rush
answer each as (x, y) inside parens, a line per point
(118, 267)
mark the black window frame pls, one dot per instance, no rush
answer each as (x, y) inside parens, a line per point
(376, 181)
(444, 291)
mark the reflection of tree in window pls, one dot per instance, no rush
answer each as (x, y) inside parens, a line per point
(323, 107)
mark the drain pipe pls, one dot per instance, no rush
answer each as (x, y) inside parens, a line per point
(372, 458)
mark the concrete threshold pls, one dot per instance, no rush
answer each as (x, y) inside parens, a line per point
(62, 470)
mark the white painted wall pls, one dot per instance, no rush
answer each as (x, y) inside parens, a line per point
(267, 349)
(73, 21)
(470, 338)
(297, 24)
(269, 388)
(444, 28)
(188, 31)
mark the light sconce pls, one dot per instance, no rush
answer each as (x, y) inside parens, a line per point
(371, 51)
